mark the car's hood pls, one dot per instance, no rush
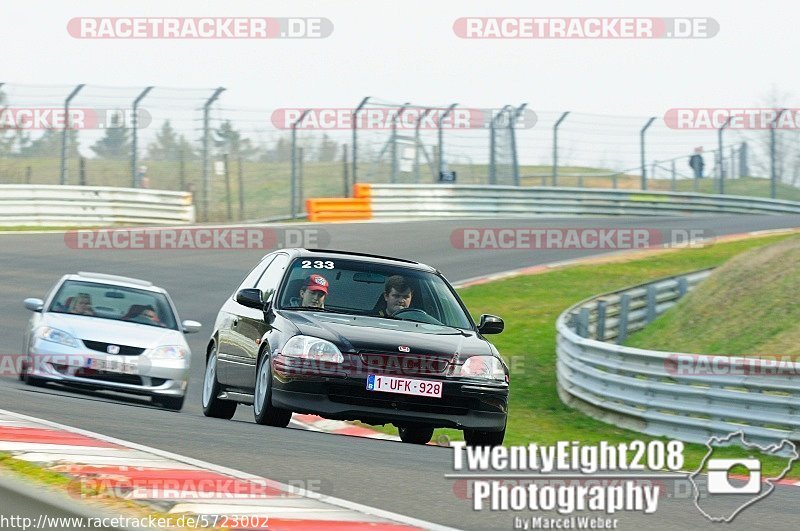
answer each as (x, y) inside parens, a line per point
(374, 334)
(110, 331)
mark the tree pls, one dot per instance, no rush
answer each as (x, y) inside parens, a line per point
(229, 140)
(49, 145)
(165, 146)
(115, 144)
(328, 149)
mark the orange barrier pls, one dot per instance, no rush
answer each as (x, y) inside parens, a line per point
(362, 190)
(338, 209)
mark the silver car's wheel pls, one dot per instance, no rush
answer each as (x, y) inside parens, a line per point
(213, 406)
(263, 410)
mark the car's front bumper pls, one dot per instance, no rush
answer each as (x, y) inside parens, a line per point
(142, 375)
(471, 405)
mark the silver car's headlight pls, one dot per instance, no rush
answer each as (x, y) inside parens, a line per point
(312, 348)
(55, 335)
(170, 352)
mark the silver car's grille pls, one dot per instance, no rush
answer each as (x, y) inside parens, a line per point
(124, 350)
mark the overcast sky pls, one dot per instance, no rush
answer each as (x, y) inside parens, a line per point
(407, 51)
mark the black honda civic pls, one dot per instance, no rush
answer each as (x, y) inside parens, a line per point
(351, 336)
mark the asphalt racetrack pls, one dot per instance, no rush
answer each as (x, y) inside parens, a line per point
(405, 479)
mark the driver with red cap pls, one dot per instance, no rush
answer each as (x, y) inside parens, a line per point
(314, 291)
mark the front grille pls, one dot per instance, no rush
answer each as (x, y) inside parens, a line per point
(361, 397)
(124, 350)
(106, 376)
(406, 364)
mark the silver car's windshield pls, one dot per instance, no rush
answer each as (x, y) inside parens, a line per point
(114, 302)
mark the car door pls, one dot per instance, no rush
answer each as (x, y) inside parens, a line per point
(229, 342)
(252, 326)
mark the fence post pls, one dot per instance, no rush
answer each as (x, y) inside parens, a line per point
(63, 174)
(81, 171)
(393, 178)
(555, 147)
(300, 193)
(721, 155)
(206, 172)
(240, 175)
(441, 138)
(773, 171)
(418, 143)
(355, 138)
(182, 169)
(674, 176)
(493, 145)
(641, 146)
(744, 171)
(293, 186)
(344, 170)
(514, 115)
(650, 313)
(600, 332)
(624, 308)
(134, 135)
(229, 206)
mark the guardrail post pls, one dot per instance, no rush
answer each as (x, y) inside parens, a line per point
(773, 172)
(63, 174)
(722, 156)
(641, 145)
(583, 323)
(651, 303)
(134, 135)
(622, 327)
(555, 147)
(683, 286)
(355, 139)
(206, 148)
(600, 332)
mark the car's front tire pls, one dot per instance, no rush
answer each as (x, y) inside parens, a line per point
(415, 434)
(484, 438)
(213, 406)
(173, 403)
(263, 410)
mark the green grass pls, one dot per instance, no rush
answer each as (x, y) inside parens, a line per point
(530, 306)
(748, 307)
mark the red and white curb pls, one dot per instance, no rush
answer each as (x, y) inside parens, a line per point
(182, 485)
(339, 427)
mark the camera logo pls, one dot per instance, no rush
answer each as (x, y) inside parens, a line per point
(718, 482)
(733, 484)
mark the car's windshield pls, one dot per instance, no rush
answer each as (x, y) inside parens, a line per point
(365, 288)
(114, 302)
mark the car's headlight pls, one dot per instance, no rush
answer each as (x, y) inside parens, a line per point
(312, 348)
(56, 336)
(171, 352)
(487, 367)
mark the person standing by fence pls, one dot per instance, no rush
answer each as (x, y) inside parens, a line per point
(696, 163)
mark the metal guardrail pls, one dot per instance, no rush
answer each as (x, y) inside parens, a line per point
(679, 395)
(450, 201)
(50, 205)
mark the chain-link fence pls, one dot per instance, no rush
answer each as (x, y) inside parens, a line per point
(263, 163)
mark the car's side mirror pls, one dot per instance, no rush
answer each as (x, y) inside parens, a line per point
(250, 297)
(190, 327)
(34, 305)
(490, 324)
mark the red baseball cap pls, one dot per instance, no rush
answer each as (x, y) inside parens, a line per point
(317, 283)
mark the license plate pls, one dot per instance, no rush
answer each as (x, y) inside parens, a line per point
(404, 386)
(112, 365)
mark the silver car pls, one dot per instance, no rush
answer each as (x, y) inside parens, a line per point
(109, 332)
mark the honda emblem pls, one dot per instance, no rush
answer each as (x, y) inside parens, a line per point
(112, 349)
(401, 348)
